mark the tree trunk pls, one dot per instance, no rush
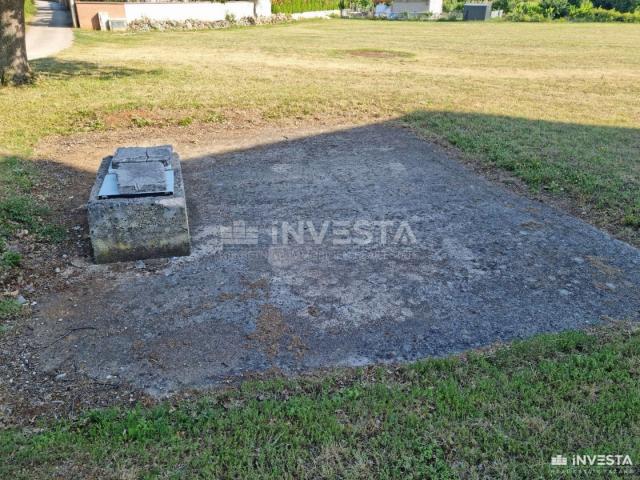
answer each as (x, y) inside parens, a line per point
(14, 67)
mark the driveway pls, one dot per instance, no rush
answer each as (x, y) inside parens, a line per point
(354, 247)
(50, 31)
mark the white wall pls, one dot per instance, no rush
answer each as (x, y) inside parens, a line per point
(417, 6)
(435, 7)
(263, 8)
(315, 14)
(192, 11)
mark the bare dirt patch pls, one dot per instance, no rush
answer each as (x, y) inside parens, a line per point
(85, 151)
(278, 333)
(374, 53)
(67, 166)
(234, 312)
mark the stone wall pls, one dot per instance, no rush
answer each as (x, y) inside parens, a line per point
(175, 11)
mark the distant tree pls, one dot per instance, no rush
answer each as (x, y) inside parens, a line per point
(555, 8)
(620, 5)
(453, 5)
(14, 66)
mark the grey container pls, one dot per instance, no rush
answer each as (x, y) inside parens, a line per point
(476, 11)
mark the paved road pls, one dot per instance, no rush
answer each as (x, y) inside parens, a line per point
(50, 31)
(474, 264)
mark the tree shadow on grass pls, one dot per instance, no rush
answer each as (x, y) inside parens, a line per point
(39, 197)
(39, 208)
(58, 69)
(593, 169)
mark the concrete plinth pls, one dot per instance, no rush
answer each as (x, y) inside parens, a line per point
(137, 227)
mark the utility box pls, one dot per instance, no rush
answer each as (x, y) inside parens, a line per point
(137, 208)
(476, 11)
(118, 24)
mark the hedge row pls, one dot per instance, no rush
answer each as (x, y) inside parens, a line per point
(541, 10)
(299, 6)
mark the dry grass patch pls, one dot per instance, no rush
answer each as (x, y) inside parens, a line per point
(373, 53)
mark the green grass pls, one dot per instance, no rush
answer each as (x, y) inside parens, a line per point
(501, 414)
(10, 259)
(30, 9)
(298, 6)
(592, 172)
(20, 211)
(553, 103)
(18, 208)
(8, 308)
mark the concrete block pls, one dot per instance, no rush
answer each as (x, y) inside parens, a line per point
(118, 24)
(137, 226)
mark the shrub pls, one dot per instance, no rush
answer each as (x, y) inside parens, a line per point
(555, 8)
(453, 5)
(527, 12)
(619, 5)
(364, 5)
(501, 5)
(586, 12)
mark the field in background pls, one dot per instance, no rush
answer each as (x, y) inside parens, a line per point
(555, 104)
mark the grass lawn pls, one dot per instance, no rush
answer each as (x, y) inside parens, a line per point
(555, 104)
(500, 414)
(30, 9)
